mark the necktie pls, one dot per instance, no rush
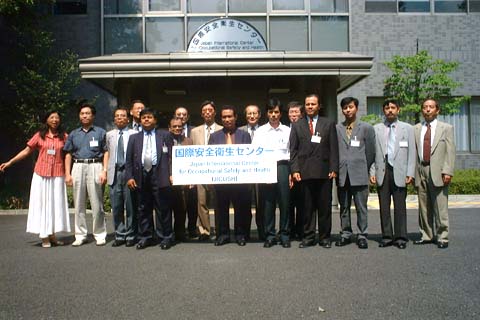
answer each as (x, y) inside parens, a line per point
(136, 126)
(147, 161)
(427, 148)
(120, 150)
(310, 126)
(229, 138)
(349, 132)
(252, 132)
(208, 134)
(391, 143)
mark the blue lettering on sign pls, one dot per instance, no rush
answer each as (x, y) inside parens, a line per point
(207, 29)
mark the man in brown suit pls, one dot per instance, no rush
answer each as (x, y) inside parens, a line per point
(435, 163)
(200, 136)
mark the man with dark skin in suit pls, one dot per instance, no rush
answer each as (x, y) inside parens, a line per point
(314, 163)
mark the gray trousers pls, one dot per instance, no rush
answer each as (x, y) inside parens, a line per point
(124, 209)
(360, 198)
(86, 181)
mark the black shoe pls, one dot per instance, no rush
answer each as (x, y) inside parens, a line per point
(204, 237)
(143, 244)
(130, 243)
(343, 242)
(362, 243)
(118, 243)
(242, 242)
(385, 243)
(421, 242)
(165, 245)
(442, 244)
(221, 242)
(269, 243)
(401, 245)
(193, 236)
(286, 244)
(325, 243)
(305, 244)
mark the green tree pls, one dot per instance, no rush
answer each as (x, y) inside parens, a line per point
(418, 77)
(38, 77)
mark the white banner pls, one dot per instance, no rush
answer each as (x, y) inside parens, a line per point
(223, 164)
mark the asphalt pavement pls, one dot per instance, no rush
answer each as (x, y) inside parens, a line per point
(200, 281)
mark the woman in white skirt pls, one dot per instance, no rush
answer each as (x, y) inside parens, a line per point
(48, 207)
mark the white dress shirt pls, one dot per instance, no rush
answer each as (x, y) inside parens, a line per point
(277, 139)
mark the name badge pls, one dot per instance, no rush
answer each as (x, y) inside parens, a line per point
(316, 139)
(93, 143)
(403, 144)
(51, 152)
(164, 148)
(355, 143)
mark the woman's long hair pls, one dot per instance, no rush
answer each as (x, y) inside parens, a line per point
(44, 129)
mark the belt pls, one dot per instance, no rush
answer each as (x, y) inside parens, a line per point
(280, 162)
(87, 160)
(425, 163)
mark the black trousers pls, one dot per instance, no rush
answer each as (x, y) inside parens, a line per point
(151, 196)
(317, 201)
(239, 196)
(386, 192)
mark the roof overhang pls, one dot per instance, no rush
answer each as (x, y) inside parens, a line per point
(348, 67)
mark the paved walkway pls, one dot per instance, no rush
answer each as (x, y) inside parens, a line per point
(455, 201)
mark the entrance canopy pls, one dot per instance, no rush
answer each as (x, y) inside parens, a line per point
(348, 68)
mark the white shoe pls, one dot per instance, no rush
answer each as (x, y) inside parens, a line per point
(79, 242)
(101, 242)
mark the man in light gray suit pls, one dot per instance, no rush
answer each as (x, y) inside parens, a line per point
(121, 198)
(394, 168)
(435, 163)
(356, 148)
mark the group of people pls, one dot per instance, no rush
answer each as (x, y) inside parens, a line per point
(135, 160)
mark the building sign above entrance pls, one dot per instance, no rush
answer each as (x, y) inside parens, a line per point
(226, 34)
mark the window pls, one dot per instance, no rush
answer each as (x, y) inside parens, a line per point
(240, 6)
(466, 123)
(334, 6)
(70, 7)
(330, 33)
(164, 34)
(164, 5)
(475, 124)
(451, 6)
(206, 6)
(381, 6)
(414, 6)
(122, 7)
(123, 35)
(288, 5)
(474, 5)
(288, 33)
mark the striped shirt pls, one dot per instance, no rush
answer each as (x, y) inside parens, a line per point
(50, 155)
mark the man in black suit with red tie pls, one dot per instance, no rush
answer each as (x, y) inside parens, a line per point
(148, 172)
(314, 164)
(238, 194)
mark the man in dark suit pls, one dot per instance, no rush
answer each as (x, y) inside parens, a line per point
(356, 147)
(314, 163)
(136, 107)
(237, 194)
(148, 173)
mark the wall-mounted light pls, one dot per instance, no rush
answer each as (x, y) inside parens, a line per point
(278, 90)
(172, 92)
